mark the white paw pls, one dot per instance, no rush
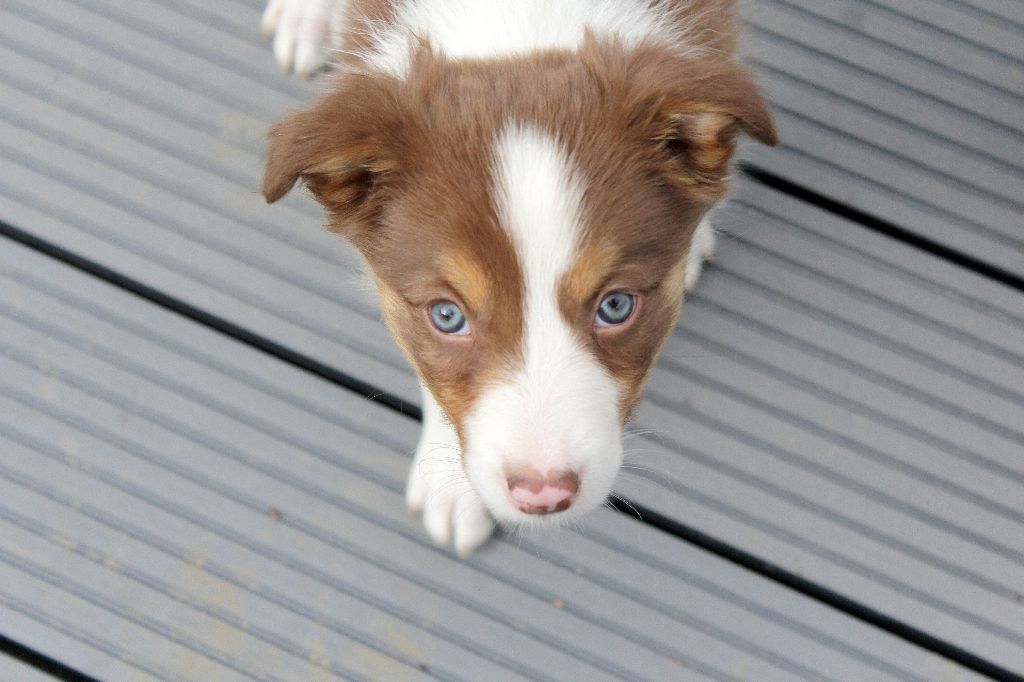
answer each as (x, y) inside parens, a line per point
(702, 248)
(438, 487)
(303, 30)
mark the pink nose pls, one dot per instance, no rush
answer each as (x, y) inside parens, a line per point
(535, 493)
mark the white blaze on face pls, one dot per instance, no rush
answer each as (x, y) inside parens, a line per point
(559, 409)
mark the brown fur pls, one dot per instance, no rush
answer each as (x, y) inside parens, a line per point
(404, 169)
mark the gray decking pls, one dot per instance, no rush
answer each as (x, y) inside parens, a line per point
(13, 669)
(175, 504)
(912, 110)
(197, 509)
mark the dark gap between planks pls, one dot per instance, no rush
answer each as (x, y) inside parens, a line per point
(41, 662)
(882, 226)
(630, 508)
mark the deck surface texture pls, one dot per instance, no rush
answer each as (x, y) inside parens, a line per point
(843, 400)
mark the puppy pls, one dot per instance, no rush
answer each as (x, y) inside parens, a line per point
(529, 183)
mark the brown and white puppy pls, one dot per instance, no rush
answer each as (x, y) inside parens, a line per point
(528, 182)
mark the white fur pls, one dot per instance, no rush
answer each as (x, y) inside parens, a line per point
(702, 248)
(559, 410)
(439, 488)
(462, 29)
(304, 31)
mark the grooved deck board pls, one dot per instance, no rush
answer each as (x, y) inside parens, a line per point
(910, 111)
(835, 410)
(159, 183)
(194, 509)
(834, 401)
(13, 669)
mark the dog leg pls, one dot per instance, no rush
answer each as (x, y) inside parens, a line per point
(438, 486)
(702, 248)
(304, 31)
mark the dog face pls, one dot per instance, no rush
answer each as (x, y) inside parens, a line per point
(527, 221)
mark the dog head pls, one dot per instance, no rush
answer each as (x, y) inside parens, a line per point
(527, 222)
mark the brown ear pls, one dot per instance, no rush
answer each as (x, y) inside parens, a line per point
(341, 147)
(699, 121)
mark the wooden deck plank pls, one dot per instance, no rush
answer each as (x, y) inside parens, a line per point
(883, 107)
(14, 669)
(835, 401)
(157, 462)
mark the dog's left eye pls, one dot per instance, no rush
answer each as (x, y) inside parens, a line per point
(615, 308)
(449, 318)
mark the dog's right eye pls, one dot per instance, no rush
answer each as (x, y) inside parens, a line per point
(449, 318)
(615, 308)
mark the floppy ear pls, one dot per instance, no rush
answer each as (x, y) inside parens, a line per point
(342, 148)
(698, 122)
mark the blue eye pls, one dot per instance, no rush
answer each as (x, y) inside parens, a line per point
(449, 318)
(615, 308)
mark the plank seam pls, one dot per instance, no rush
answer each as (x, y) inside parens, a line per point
(139, 577)
(911, 277)
(881, 226)
(674, 528)
(106, 356)
(922, 475)
(964, 453)
(818, 592)
(866, 297)
(215, 322)
(898, 50)
(988, 14)
(185, 268)
(179, 228)
(895, 347)
(901, 83)
(937, 136)
(41, 661)
(267, 551)
(841, 480)
(673, 483)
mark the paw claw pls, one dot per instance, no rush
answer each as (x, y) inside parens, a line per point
(473, 525)
(284, 43)
(268, 24)
(416, 487)
(437, 519)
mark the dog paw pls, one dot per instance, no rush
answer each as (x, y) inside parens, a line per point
(452, 511)
(439, 489)
(303, 32)
(702, 248)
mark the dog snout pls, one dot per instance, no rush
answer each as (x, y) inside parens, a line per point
(535, 493)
